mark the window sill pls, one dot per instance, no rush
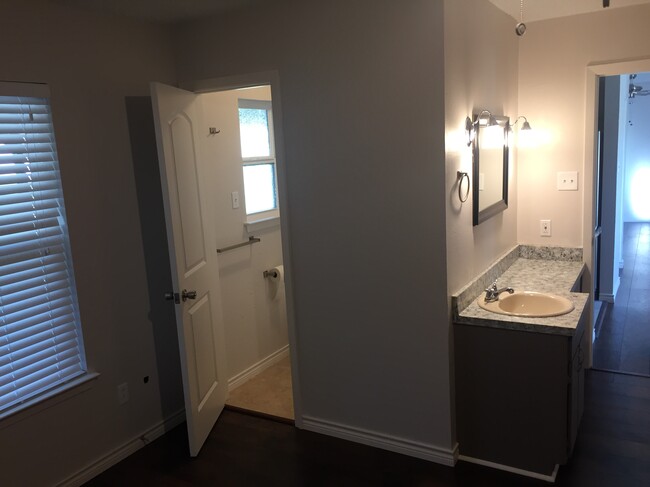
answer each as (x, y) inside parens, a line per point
(48, 399)
(252, 226)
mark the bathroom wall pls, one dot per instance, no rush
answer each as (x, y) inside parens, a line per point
(554, 57)
(481, 58)
(255, 322)
(362, 100)
(95, 65)
(637, 153)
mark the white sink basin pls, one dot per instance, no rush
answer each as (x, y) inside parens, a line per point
(528, 303)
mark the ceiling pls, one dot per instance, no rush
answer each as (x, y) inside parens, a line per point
(175, 10)
(550, 9)
(159, 10)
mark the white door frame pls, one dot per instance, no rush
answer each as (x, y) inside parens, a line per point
(593, 72)
(272, 79)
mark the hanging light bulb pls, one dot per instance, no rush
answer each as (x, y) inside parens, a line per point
(520, 28)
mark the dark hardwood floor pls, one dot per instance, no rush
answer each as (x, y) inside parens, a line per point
(623, 340)
(613, 449)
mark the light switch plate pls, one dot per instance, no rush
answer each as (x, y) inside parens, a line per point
(567, 181)
(545, 228)
(235, 199)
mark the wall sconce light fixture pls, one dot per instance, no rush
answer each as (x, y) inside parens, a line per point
(524, 126)
(483, 119)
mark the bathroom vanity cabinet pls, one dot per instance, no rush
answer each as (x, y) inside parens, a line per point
(519, 394)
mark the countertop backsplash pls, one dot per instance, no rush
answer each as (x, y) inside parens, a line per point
(567, 266)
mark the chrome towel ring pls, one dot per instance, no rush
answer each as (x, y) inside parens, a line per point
(461, 176)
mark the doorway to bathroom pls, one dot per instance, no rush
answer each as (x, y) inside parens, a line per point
(218, 152)
(241, 142)
(622, 246)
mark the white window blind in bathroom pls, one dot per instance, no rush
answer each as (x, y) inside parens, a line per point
(40, 336)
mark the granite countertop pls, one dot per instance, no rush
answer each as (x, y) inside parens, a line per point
(552, 276)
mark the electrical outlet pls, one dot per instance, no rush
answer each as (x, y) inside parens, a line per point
(234, 196)
(545, 228)
(123, 393)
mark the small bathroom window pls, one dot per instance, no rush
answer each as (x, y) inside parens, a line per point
(258, 158)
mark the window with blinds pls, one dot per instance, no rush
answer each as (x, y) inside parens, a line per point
(40, 337)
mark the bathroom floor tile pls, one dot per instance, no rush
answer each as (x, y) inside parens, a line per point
(268, 392)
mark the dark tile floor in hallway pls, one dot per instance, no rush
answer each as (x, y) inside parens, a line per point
(612, 450)
(623, 341)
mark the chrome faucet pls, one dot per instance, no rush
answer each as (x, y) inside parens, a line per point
(492, 293)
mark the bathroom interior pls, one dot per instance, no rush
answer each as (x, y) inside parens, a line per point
(242, 147)
(379, 238)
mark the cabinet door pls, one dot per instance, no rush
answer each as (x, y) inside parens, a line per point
(576, 393)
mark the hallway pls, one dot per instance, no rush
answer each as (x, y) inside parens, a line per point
(623, 341)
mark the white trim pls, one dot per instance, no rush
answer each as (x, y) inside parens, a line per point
(404, 446)
(506, 468)
(608, 298)
(123, 451)
(263, 224)
(456, 453)
(236, 82)
(48, 399)
(24, 88)
(250, 80)
(255, 369)
(593, 70)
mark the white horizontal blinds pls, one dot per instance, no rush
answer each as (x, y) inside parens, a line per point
(40, 338)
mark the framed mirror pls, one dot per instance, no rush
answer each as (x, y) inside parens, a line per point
(490, 154)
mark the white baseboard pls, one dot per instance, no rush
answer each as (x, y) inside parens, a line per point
(518, 471)
(257, 368)
(121, 452)
(608, 298)
(404, 446)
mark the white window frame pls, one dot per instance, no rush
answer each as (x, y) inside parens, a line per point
(271, 217)
(41, 352)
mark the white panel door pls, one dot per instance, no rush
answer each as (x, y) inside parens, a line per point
(192, 251)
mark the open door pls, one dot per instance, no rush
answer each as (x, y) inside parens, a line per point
(192, 252)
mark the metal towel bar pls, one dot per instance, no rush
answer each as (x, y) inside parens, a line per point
(251, 240)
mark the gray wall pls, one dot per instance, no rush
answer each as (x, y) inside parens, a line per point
(92, 64)
(368, 186)
(362, 102)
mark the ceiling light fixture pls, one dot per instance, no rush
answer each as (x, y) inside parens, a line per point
(520, 28)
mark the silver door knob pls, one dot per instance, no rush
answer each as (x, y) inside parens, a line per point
(185, 295)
